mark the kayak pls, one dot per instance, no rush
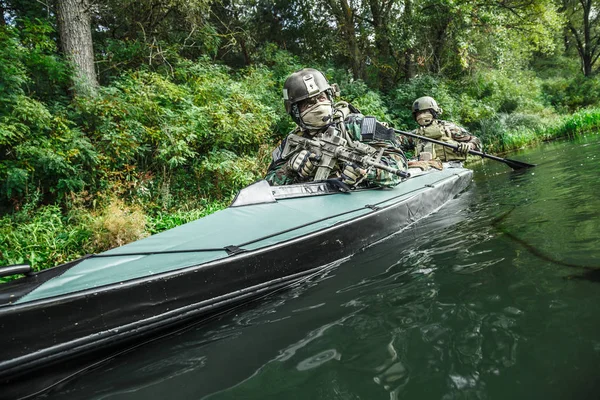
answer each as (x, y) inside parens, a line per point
(54, 321)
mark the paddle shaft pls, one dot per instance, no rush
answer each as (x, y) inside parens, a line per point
(514, 164)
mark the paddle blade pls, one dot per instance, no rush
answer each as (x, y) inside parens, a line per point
(514, 164)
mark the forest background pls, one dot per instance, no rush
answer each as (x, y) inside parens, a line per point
(123, 118)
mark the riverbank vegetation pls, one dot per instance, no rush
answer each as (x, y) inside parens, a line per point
(181, 106)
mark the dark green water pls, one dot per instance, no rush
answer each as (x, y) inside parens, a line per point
(496, 296)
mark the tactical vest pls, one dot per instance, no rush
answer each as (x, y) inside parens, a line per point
(438, 130)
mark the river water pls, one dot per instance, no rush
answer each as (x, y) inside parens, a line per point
(495, 296)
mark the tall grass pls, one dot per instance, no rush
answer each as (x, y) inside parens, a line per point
(44, 237)
(505, 132)
(581, 122)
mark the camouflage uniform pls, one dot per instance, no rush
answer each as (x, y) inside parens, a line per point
(444, 131)
(280, 173)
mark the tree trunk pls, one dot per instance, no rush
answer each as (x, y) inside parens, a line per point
(386, 63)
(409, 54)
(439, 44)
(587, 65)
(585, 35)
(76, 42)
(345, 19)
(245, 51)
(2, 11)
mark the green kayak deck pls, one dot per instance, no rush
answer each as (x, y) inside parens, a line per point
(249, 228)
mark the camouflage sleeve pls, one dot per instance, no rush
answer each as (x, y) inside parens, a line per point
(353, 123)
(460, 134)
(381, 178)
(407, 143)
(279, 174)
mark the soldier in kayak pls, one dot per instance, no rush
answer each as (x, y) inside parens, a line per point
(309, 100)
(426, 111)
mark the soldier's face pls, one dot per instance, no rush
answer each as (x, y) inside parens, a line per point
(317, 111)
(424, 117)
(305, 104)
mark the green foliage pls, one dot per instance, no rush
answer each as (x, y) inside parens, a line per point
(368, 101)
(45, 153)
(581, 122)
(42, 236)
(49, 75)
(29, 64)
(151, 35)
(488, 95)
(13, 74)
(222, 174)
(153, 131)
(42, 150)
(163, 221)
(568, 94)
(503, 132)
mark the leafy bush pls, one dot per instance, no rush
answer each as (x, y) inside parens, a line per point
(42, 150)
(153, 130)
(503, 132)
(368, 101)
(221, 174)
(48, 74)
(46, 153)
(505, 92)
(569, 94)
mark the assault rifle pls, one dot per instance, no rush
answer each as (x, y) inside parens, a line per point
(331, 147)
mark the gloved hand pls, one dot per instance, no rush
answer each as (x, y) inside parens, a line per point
(463, 148)
(302, 163)
(353, 174)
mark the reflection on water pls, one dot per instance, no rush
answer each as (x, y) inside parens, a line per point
(493, 297)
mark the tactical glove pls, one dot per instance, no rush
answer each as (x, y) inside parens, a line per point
(302, 163)
(353, 174)
(463, 148)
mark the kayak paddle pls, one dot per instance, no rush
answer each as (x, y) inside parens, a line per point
(514, 164)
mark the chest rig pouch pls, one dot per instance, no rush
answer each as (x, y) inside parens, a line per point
(433, 131)
(438, 131)
(426, 150)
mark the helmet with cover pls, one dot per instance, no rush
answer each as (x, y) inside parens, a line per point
(426, 103)
(299, 87)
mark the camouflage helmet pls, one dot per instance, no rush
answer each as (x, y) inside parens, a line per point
(301, 85)
(426, 103)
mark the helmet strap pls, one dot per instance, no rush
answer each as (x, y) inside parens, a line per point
(295, 114)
